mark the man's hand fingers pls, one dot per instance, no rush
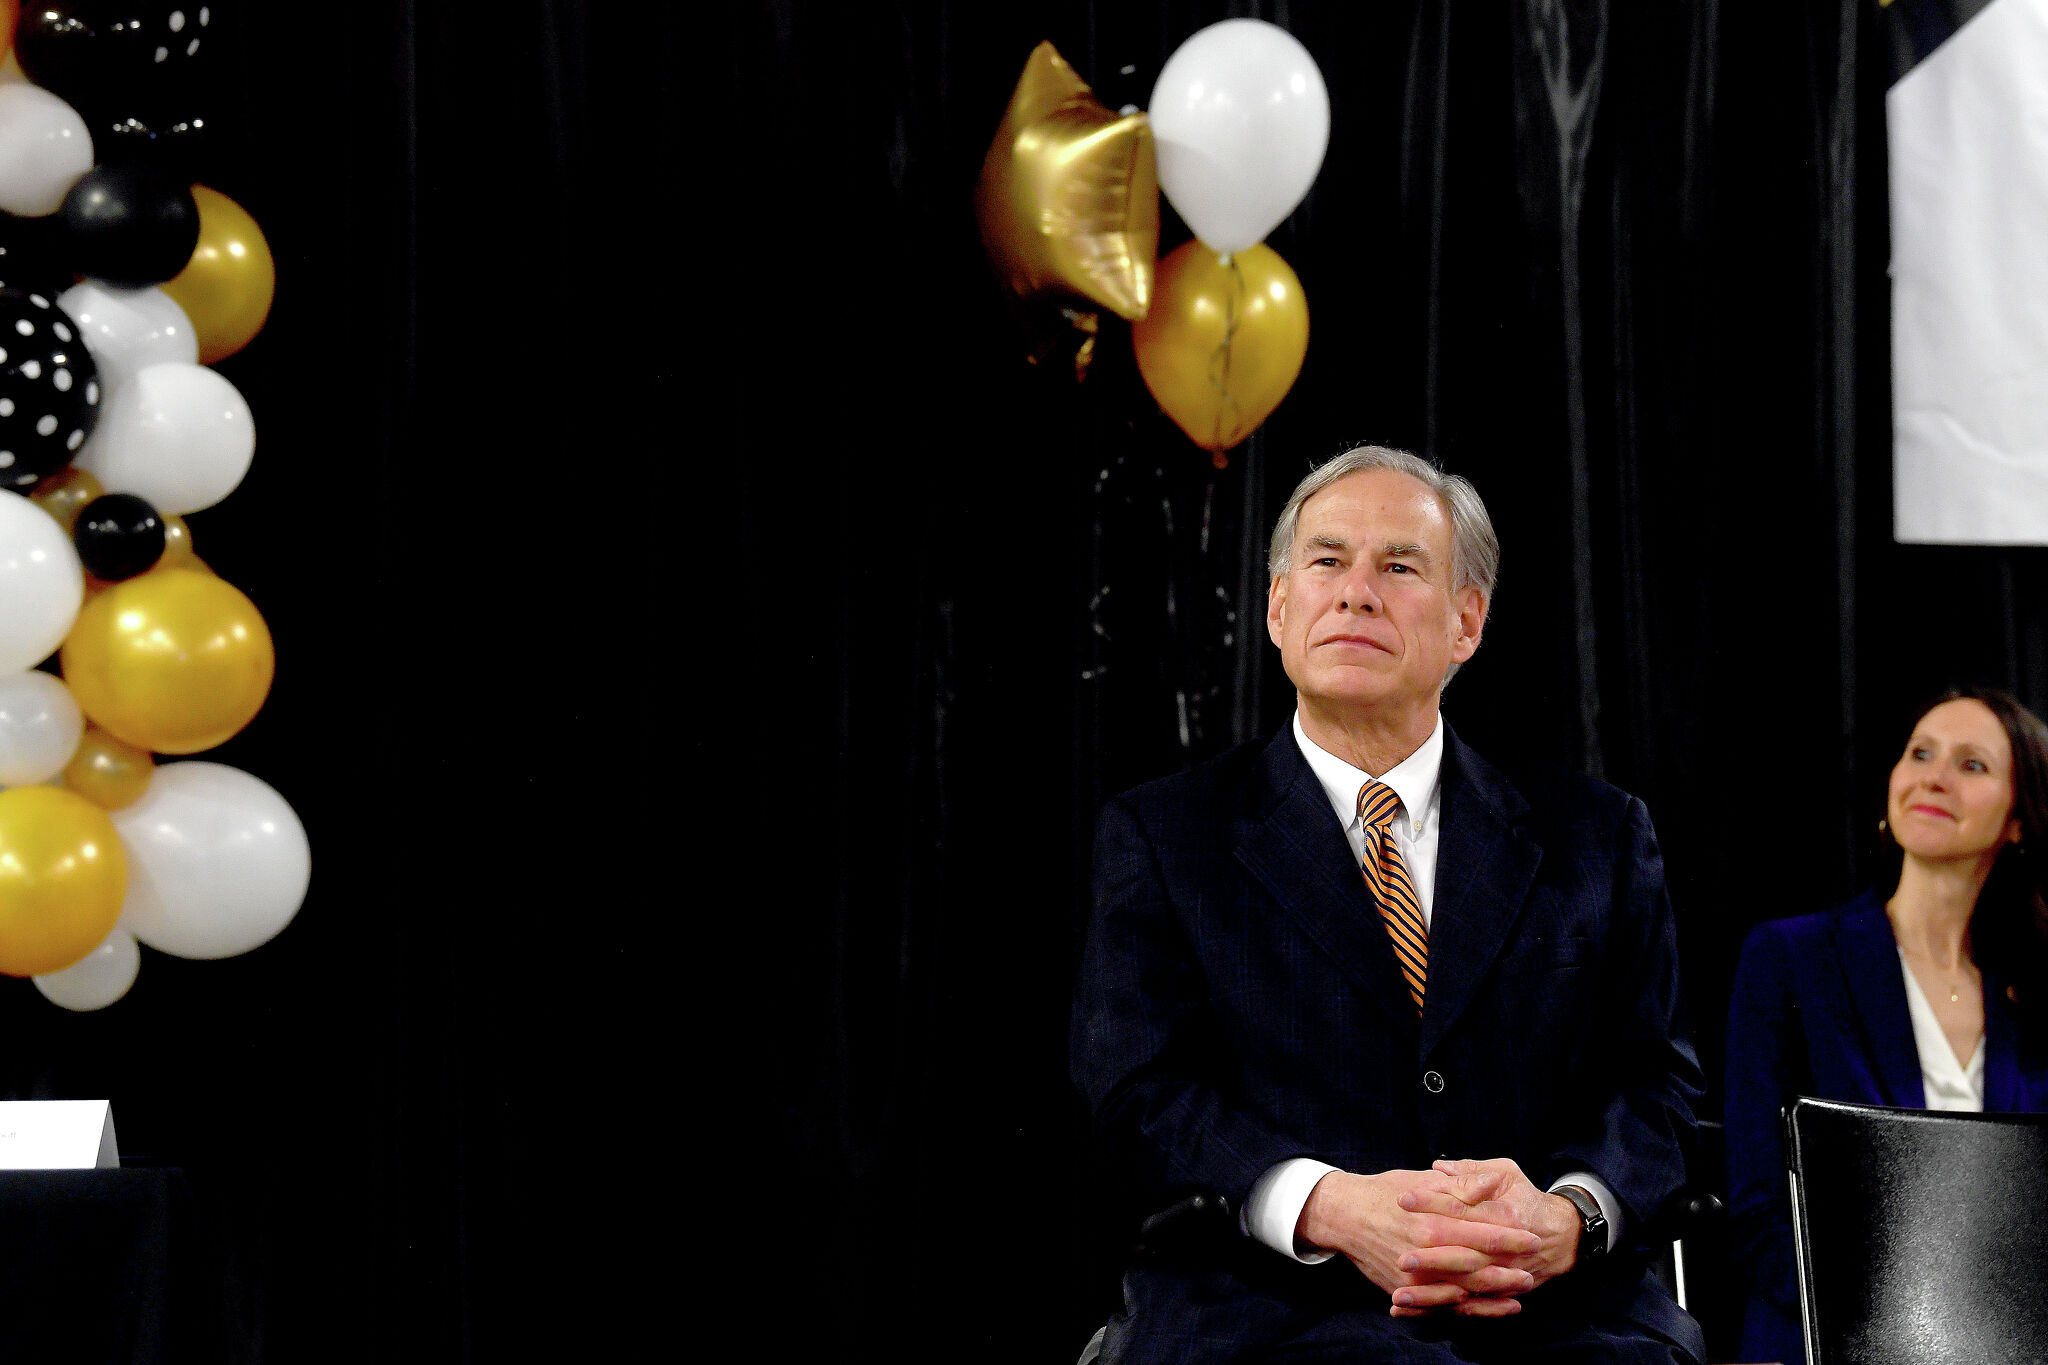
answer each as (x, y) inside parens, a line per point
(1446, 1205)
(1443, 1202)
(1497, 1280)
(1465, 1267)
(1487, 1308)
(1478, 1181)
(1426, 1296)
(1497, 1242)
(1445, 1262)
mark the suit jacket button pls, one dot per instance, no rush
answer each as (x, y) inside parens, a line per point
(1433, 1082)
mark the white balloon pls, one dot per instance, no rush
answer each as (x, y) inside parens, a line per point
(98, 979)
(41, 584)
(1240, 118)
(44, 148)
(217, 862)
(40, 726)
(126, 329)
(177, 436)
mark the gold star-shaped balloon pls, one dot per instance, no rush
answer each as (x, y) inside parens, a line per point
(1068, 197)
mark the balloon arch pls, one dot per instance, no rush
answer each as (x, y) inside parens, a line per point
(121, 283)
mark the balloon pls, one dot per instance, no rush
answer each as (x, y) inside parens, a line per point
(178, 552)
(65, 493)
(44, 149)
(1067, 198)
(227, 287)
(63, 876)
(118, 536)
(174, 661)
(128, 225)
(1242, 119)
(49, 389)
(1223, 342)
(219, 862)
(107, 772)
(177, 435)
(41, 584)
(127, 329)
(39, 728)
(137, 70)
(99, 978)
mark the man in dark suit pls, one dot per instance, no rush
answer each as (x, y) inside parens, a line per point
(1395, 1012)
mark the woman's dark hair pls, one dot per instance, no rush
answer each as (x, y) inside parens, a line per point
(2010, 924)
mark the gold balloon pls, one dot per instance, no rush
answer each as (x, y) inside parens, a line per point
(178, 552)
(174, 661)
(65, 493)
(108, 772)
(63, 876)
(1223, 342)
(227, 286)
(1068, 197)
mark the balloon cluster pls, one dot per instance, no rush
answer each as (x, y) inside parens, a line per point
(1067, 202)
(121, 283)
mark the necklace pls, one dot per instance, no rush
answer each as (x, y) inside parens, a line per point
(1955, 992)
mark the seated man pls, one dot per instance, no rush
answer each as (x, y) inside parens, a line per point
(1417, 1026)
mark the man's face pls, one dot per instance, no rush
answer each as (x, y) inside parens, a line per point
(1366, 615)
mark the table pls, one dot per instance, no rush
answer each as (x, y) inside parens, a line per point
(105, 1267)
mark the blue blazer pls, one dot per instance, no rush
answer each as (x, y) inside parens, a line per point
(1819, 1008)
(1239, 1003)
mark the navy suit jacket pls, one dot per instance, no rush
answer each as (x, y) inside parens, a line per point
(1819, 1008)
(1240, 1004)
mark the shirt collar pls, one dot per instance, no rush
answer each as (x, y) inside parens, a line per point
(1414, 779)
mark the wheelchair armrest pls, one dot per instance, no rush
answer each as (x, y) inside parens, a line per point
(1197, 1219)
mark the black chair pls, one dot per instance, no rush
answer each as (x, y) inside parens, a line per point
(1918, 1234)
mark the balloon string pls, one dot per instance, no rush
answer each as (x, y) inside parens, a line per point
(1219, 363)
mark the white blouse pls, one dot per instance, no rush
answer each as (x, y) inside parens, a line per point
(1948, 1083)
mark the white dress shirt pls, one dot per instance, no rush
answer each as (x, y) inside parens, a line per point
(1948, 1083)
(1273, 1208)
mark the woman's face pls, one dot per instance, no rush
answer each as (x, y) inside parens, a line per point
(1951, 791)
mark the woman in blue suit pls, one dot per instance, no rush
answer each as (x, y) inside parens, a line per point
(1934, 997)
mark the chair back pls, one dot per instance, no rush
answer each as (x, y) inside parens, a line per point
(1919, 1235)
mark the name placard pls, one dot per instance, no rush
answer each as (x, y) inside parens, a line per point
(57, 1135)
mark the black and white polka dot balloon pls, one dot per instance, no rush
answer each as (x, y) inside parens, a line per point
(49, 389)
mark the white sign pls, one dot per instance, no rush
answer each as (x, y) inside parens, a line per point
(1968, 134)
(57, 1135)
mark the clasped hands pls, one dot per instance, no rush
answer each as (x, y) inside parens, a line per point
(1466, 1237)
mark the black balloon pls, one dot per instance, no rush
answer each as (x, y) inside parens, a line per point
(49, 389)
(128, 225)
(139, 72)
(118, 536)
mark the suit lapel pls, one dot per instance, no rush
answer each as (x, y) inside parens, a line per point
(1484, 868)
(1869, 958)
(1293, 844)
(2004, 1092)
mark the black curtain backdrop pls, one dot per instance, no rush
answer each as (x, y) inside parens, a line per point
(1621, 264)
(705, 642)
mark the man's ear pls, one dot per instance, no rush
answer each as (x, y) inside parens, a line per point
(1471, 606)
(1276, 601)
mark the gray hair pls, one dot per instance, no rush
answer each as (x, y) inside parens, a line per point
(1475, 549)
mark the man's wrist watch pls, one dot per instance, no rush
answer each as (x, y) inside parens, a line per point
(1592, 1224)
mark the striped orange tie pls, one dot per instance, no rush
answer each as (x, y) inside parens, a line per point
(1386, 877)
